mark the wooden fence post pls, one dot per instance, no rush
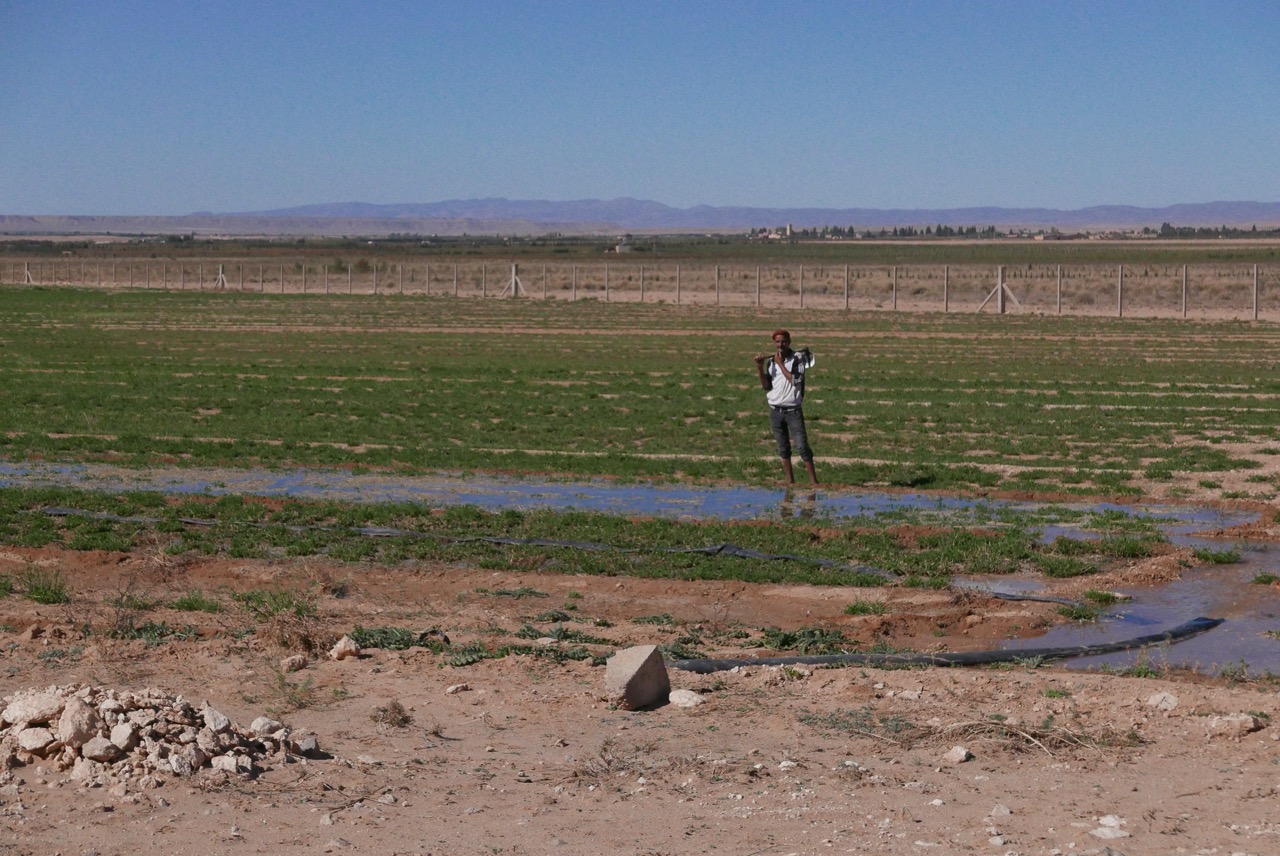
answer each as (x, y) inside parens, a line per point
(946, 297)
(1059, 289)
(846, 288)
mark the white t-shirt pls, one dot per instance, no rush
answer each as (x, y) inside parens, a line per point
(786, 393)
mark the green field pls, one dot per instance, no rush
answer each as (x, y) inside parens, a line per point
(412, 384)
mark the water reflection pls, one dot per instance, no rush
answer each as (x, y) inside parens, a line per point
(1217, 591)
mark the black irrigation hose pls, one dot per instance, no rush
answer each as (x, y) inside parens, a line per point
(969, 658)
(712, 550)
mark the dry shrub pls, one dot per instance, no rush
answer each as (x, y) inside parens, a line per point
(298, 633)
(1050, 739)
(391, 715)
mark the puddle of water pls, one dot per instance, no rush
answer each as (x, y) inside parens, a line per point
(1214, 591)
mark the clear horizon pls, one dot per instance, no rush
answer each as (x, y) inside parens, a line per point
(170, 108)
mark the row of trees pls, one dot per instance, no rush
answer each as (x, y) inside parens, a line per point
(848, 232)
(1168, 230)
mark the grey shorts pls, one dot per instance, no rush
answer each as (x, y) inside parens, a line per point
(788, 428)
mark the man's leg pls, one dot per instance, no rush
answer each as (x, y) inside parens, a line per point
(782, 435)
(797, 431)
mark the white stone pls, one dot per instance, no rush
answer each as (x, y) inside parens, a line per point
(1233, 727)
(956, 755)
(214, 720)
(265, 725)
(1162, 701)
(37, 740)
(100, 749)
(636, 678)
(345, 647)
(79, 722)
(125, 736)
(226, 763)
(33, 707)
(685, 698)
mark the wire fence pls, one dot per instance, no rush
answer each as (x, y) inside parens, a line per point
(1238, 291)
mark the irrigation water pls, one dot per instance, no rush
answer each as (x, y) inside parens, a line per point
(1244, 641)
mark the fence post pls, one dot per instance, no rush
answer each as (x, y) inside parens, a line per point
(642, 283)
(717, 285)
(573, 295)
(606, 282)
(484, 280)
(1255, 292)
(946, 297)
(304, 277)
(846, 288)
(427, 290)
(895, 288)
(400, 272)
(1120, 293)
(802, 286)
(544, 282)
(455, 279)
(1059, 289)
(1184, 291)
(677, 285)
(1000, 289)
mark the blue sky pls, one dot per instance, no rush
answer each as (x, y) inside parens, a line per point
(175, 107)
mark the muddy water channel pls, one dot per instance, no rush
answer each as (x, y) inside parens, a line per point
(1226, 591)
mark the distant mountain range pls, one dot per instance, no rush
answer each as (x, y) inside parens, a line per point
(645, 215)
(618, 216)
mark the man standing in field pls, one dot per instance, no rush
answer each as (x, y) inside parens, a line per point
(782, 378)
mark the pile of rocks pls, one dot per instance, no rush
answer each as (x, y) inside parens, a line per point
(103, 737)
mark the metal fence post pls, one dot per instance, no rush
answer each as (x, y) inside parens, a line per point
(1184, 291)
(1120, 293)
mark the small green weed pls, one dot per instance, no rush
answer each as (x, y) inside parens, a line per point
(1217, 557)
(197, 601)
(44, 586)
(662, 620)
(866, 607)
(263, 604)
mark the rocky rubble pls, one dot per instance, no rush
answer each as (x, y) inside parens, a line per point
(101, 737)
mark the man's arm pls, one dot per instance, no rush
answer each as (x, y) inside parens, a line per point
(765, 381)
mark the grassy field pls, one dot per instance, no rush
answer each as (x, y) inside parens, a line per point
(958, 402)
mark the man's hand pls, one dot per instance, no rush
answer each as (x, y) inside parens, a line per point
(760, 358)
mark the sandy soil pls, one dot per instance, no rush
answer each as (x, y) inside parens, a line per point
(526, 755)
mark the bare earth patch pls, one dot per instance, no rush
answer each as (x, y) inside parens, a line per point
(526, 755)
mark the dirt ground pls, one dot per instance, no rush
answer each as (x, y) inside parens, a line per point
(526, 755)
